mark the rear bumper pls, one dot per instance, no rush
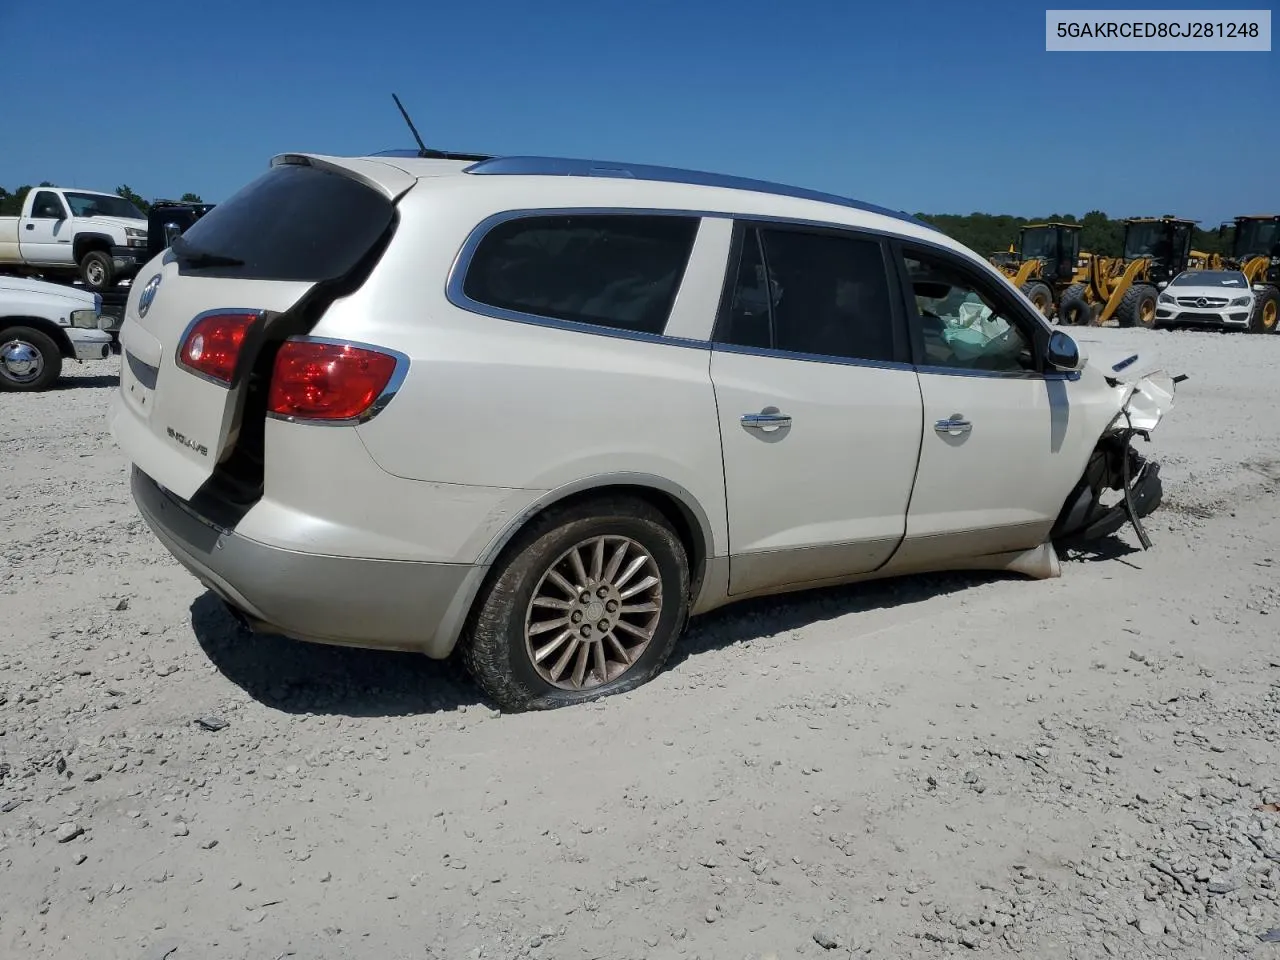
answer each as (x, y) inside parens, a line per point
(389, 604)
(127, 260)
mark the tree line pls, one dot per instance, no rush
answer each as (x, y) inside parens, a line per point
(984, 233)
(11, 202)
(987, 233)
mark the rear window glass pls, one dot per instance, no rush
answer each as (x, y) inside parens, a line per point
(292, 223)
(611, 270)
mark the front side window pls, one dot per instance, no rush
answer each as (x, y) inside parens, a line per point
(47, 206)
(611, 270)
(819, 294)
(963, 325)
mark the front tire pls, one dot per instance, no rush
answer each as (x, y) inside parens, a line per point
(29, 360)
(586, 602)
(1138, 306)
(98, 270)
(1266, 307)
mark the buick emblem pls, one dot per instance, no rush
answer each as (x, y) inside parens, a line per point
(148, 294)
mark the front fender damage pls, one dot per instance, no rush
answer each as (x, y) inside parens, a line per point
(1120, 485)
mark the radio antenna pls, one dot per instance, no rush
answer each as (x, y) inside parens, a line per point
(422, 147)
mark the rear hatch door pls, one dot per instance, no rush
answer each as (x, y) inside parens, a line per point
(274, 252)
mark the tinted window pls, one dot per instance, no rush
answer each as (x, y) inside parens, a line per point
(611, 270)
(292, 223)
(47, 205)
(963, 325)
(812, 293)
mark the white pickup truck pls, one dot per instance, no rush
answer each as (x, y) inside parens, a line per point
(65, 233)
(42, 324)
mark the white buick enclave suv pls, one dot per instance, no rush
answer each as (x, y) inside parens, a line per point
(541, 411)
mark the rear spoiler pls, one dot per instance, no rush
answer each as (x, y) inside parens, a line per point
(388, 179)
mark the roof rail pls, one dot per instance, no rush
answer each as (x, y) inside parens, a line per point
(569, 167)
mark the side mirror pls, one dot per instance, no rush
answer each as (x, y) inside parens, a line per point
(1062, 354)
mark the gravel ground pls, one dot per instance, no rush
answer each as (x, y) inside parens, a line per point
(1084, 767)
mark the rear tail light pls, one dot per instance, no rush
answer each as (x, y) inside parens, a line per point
(212, 344)
(322, 380)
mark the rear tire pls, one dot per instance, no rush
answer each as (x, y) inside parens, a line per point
(1266, 309)
(1138, 306)
(97, 270)
(1073, 309)
(29, 360)
(1039, 294)
(499, 644)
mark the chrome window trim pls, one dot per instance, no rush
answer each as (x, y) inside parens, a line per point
(999, 374)
(186, 332)
(811, 357)
(380, 401)
(462, 261)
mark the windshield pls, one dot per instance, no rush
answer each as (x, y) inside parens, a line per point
(1257, 238)
(102, 205)
(1144, 240)
(1211, 278)
(1039, 242)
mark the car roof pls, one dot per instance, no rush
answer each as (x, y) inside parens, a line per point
(378, 166)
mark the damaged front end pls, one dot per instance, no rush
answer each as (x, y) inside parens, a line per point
(1119, 485)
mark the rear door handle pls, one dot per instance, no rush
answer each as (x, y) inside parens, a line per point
(766, 421)
(953, 426)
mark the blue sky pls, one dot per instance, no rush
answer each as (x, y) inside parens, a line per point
(944, 106)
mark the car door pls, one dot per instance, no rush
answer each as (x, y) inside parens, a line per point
(1000, 450)
(820, 412)
(46, 236)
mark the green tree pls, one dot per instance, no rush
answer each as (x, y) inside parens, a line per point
(191, 198)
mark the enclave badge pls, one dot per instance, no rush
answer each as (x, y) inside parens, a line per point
(199, 448)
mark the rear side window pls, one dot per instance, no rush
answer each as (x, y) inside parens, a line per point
(610, 270)
(292, 223)
(820, 294)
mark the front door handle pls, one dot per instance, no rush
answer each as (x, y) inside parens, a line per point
(766, 421)
(953, 426)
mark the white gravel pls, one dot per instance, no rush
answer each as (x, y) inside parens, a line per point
(1084, 767)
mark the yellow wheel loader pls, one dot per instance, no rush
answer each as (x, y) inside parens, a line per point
(1255, 252)
(1126, 288)
(1045, 264)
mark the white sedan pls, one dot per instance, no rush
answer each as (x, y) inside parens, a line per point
(1216, 298)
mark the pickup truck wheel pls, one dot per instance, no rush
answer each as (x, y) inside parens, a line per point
(586, 603)
(29, 360)
(97, 270)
